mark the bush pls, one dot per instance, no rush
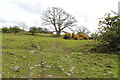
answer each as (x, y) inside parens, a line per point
(39, 29)
(76, 37)
(83, 35)
(33, 30)
(67, 36)
(81, 38)
(94, 36)
(14, 29)
(5, 30)
(109, 34)
(43, 30)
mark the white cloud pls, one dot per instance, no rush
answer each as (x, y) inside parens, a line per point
(29, 11)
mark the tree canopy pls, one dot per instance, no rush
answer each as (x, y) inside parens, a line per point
(109, 33)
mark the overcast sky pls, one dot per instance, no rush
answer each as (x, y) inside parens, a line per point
(15, 12)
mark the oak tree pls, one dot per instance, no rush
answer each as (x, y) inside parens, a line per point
(59, 19)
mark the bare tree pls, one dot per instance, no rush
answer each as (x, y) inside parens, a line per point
(23, 25)
(82, 29)
(58, 18)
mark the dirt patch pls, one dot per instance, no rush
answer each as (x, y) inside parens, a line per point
(65, 50)
(56, 47)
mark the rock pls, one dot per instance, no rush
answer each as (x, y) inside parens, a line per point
(32, 52)
(49, 75)
(16, 68)
(0, 76)
(24, 57)
(11, 53)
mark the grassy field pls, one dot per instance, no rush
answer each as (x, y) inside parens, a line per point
(27, 56)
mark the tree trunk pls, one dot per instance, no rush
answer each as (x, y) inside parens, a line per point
(58, 33)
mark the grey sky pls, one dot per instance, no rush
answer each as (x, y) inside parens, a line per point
(13, 12)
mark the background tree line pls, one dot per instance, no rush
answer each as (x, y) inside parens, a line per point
(32, 30)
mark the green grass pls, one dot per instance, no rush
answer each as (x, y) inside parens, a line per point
(51, 57)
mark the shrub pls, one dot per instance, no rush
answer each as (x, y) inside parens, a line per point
(83, 35)
(43, 30)
(67, 36)
(5, 30)
(33, 30)
(76, 37)
(94, 36)
(109, 34)
(39, 29)
(80, 38)
(14, 29)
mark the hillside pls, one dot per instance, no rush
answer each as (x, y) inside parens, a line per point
(27, 56)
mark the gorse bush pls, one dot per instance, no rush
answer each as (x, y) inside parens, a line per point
(67, 36)
(78, 36)
(83, 35)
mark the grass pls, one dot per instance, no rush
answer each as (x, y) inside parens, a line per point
(51, 57)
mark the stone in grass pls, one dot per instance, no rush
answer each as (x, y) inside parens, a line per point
(32, 52)
(30, 79)
(16, 68)
(31, 67)
(49, 75)
(11, 53)
(106, 70)
(62, 69)
(24, 57)
(68, 74)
